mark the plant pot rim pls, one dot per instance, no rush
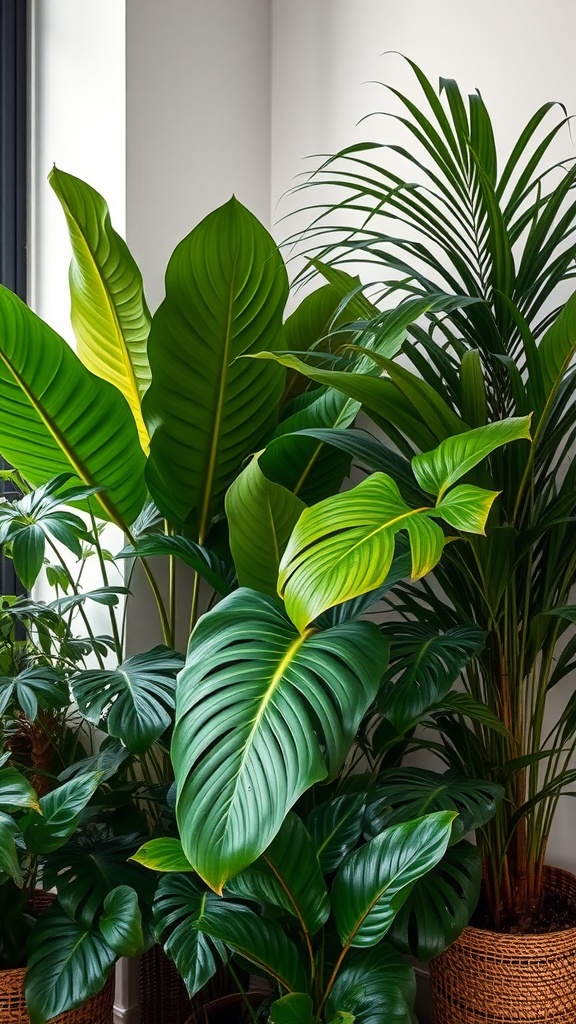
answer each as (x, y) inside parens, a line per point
(474, 937)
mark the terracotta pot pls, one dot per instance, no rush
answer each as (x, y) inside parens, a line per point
(226, 1010)
(97, 1010)
(509, 979)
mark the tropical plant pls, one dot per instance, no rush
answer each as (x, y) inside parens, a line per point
(268, 707)
(436, 212)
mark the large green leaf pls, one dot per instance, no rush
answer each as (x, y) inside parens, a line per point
(136, 700)
(89, 866)
(16, 791)
(440, 904)
(376, 986)
(437, 470)
(46, 687)
(181, 909)
(162, 855)
(66, 965)
(404, 793)
(373, 882)
(262, 712)
(60, 813)
(261, 516)
(109, 313)
(335, 827)
(57, 417)
(288, 875)
(121, 922)
(259, 940)
(424, 664)
(344, 546)
(295, 1008)
(226, 287)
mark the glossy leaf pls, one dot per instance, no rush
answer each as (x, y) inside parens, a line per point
(121, 922)
(9, 859)
(335, 827)
(405, 793)
(261, 516)
(259, 940)
(424, 665)
(226, 287)
(440, 904)
(136, 700)
(15, 791)
(466, 508)
(373, 882)
(109, 314)
(344, 546)
(60, 813)
(181, 908)
(91, 865)
(437, 470)
(295, 1008)
(375, 986)
(262, 713)
(558, 346)
(162, 855)
(45, 687)
(57, 417)
(288, 875)
(66, 965)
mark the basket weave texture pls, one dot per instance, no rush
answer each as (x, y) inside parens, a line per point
(499, 978)
(97, 1010)
(163, 995)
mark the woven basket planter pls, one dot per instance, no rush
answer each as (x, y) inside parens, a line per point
(97, 1010)
(523, 979)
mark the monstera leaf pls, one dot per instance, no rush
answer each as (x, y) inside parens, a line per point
(136, 699)
(262, 712)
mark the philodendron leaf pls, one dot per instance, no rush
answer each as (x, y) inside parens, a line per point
(466, 507)
(60, 813)
(57, 417)
(295, 1008)
(440, 904)
(109, 313)
(262, 713)
(261, 516)
(67, 964)
(16, 792)
(343, 547)
(374, 881)
(288, 875)
(181, 908)
(136, 699)
(207, 410)
(121, 922)
(163, 855)
(335, 827)
(374, 986)
(438, 469)
(260, 940)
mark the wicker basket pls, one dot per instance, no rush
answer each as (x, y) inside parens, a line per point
(97, 1010)
(524, 979)
(163, 995)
